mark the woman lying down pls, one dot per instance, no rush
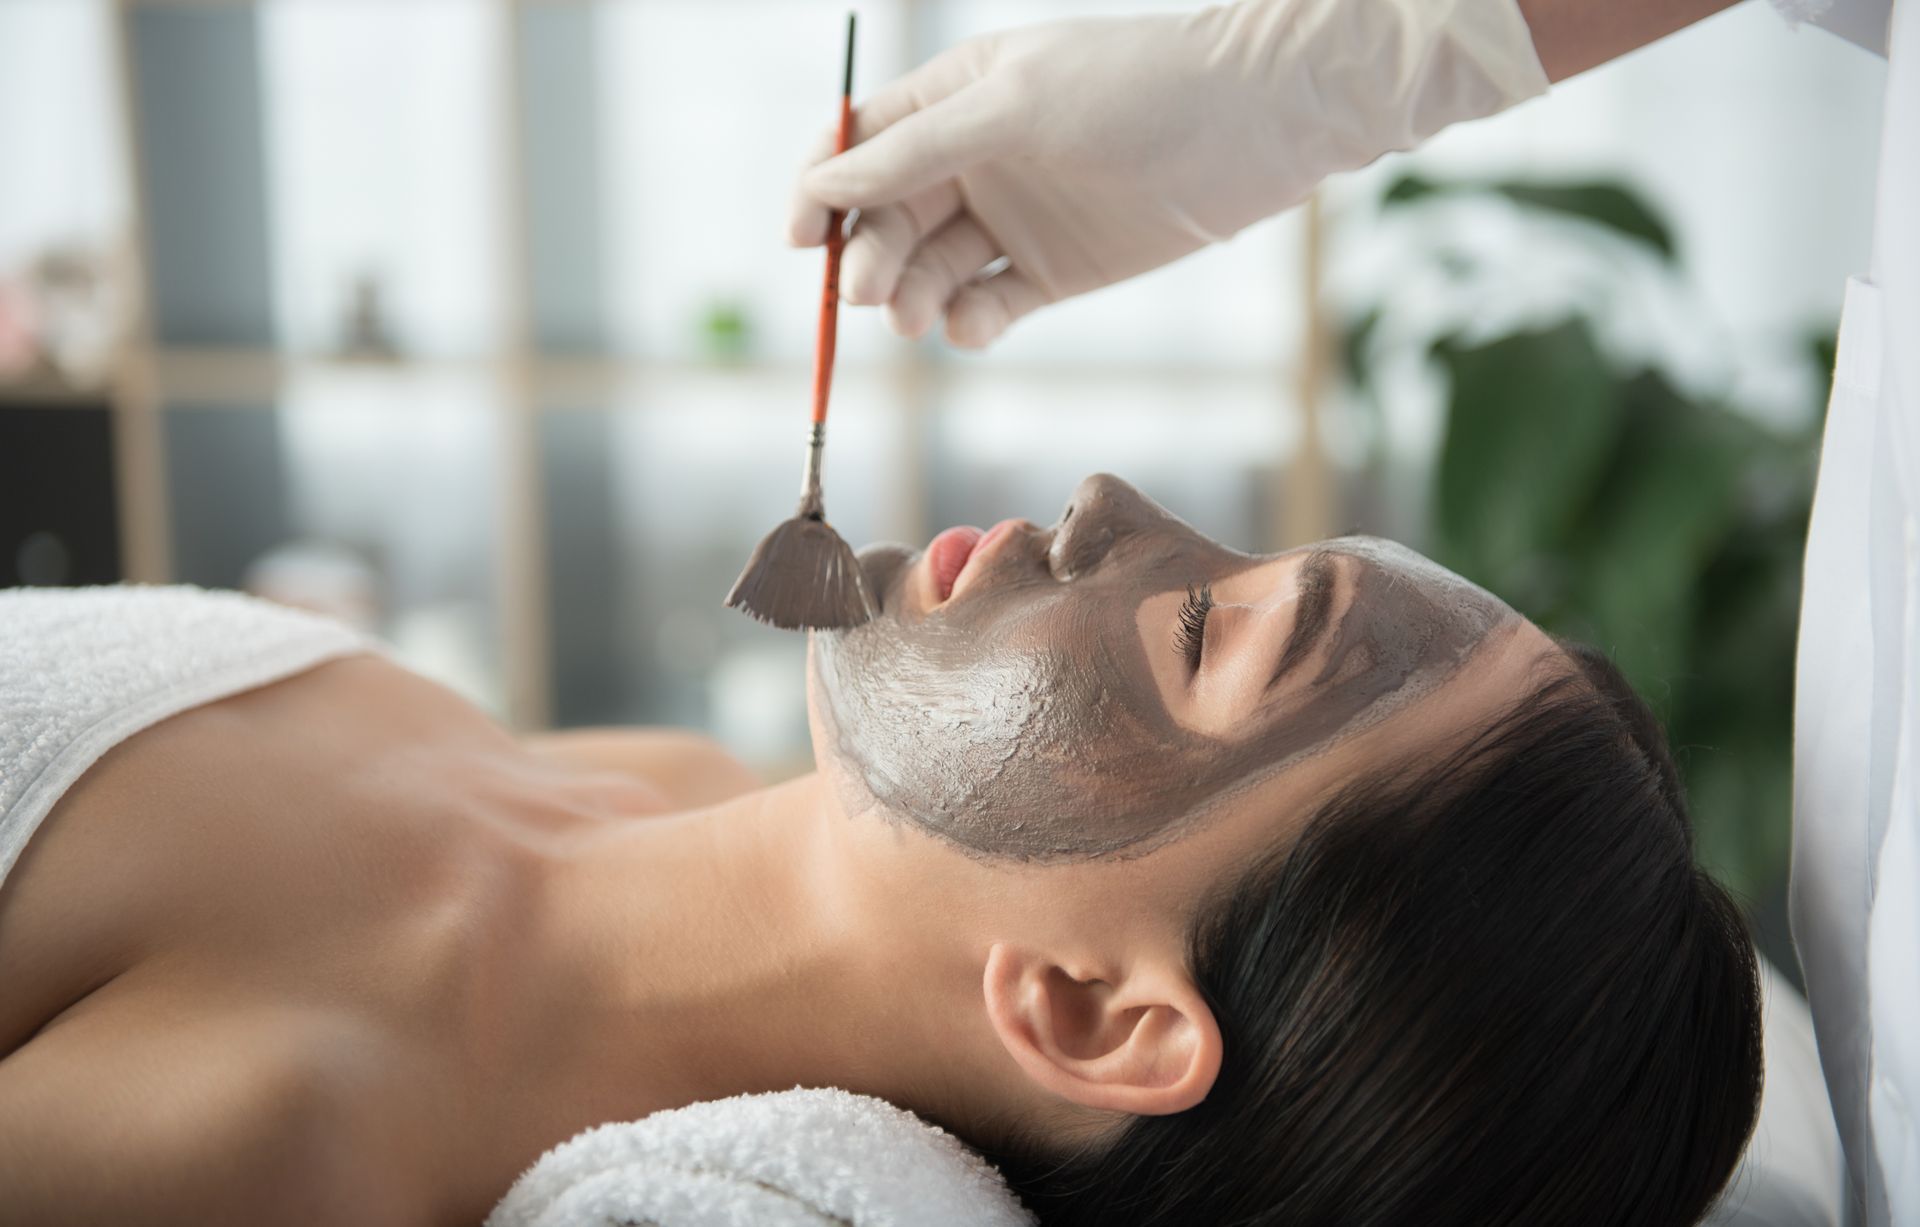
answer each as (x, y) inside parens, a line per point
(1189, 886)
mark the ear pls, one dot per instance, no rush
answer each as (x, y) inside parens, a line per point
(1142, 1042)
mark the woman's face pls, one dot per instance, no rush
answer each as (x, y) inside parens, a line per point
(1073, 693)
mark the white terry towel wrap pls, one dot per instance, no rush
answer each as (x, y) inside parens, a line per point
(83, 669)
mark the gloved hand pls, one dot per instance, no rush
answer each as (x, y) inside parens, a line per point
(1087, 151)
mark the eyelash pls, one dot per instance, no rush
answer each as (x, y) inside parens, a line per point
(1191, 636)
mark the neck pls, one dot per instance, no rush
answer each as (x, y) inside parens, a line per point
(751, 947)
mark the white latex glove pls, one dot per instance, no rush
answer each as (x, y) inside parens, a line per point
(1087, 151)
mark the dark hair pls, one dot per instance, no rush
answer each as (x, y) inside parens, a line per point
(1492, 990)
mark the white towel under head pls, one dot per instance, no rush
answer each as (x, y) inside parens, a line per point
(799, 1158)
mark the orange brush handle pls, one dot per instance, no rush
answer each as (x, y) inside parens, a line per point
(830, 292)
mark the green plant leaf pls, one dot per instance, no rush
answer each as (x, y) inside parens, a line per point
(1531, 422)
(1412, 187)
(1669, 498)
(1604, 204)
(1738, 791)
(1356, 339)
(1609, 205)
(1613, 506)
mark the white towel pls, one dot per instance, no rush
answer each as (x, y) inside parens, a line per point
(83, 669)
(799, 1158)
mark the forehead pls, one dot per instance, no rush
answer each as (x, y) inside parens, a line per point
(1266, 576)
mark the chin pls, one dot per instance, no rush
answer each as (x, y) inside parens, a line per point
(883, 563)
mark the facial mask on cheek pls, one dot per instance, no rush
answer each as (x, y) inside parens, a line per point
(1010, 749)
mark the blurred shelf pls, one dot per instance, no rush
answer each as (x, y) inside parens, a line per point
(256, 378)
(242, 377)
(51, 391)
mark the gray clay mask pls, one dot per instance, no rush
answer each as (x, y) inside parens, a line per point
(1022, 719)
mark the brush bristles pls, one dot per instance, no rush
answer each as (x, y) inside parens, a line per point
(803, 576)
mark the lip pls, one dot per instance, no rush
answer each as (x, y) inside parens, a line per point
(947, 555)
(983, 549)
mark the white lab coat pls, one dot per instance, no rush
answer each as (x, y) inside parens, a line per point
(1856, 845)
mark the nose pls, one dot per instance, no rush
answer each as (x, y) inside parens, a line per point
(1102, 510)
(1098, 490)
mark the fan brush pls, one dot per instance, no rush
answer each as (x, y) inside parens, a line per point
(802, 575)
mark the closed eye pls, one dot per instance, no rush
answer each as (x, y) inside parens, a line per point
(1190, 634)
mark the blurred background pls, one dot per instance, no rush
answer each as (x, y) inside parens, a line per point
(472, 320)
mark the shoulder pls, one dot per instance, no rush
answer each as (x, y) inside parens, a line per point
(143, 1110)
(689, 769)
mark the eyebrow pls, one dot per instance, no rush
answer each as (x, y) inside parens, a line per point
(1313, 613)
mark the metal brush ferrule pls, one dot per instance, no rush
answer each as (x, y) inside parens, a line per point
(811, 504)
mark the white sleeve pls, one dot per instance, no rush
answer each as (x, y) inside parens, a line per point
(1863, 23)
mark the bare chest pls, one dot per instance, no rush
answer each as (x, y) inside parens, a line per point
(278, 830)
(329, 890)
